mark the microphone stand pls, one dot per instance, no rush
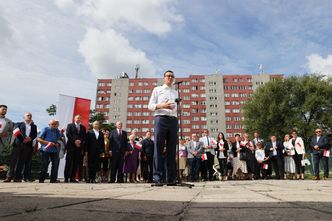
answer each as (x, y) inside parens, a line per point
(179, 181)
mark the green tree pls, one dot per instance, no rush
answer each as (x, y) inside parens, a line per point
(51, 110)
(281, 105)
(97, 116)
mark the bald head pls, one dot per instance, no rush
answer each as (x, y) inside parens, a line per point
(27, 117)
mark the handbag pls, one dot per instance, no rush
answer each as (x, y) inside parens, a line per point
(244, 156)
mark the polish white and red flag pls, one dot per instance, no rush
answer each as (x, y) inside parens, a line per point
(204, 157)
(17, 132)
(138, 146)
(265, 166)
(67, 108)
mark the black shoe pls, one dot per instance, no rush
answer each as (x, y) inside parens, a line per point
(73, 181)
(66, 180)
(7, 180)
(55, 181)
(17, 181)
(41, 181)
(157, 183)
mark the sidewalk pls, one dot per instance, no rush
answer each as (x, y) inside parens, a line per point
(232, 200)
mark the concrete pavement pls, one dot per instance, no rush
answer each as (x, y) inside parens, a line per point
(231, 200)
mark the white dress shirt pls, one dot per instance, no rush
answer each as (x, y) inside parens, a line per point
(162, 94)
(96, 133)
(27, 129)
(208, 141)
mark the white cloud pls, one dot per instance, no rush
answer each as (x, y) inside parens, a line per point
(319, 64)
(106, 47)
(109, 53)
(154, 16)
(62, 4)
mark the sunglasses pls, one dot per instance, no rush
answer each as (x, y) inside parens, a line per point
(318, 131)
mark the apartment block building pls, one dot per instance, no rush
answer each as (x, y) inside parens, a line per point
(208, 101)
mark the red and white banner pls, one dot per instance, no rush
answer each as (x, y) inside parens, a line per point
(138, 146)
(67, 108)
(204, 157)
(265, 166)
(17, 132)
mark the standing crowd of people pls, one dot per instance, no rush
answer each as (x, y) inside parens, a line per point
(116, 156)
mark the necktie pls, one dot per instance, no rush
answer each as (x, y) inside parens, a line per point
(78, 128)
(207, 138)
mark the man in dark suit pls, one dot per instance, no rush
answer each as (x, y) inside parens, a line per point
(94, 146)
(118, 146)
(76, 134)
(147, 157)
(319, 144)
(21, 155)
(274, 149)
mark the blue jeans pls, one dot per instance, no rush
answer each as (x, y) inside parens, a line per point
(165, 135)
(317, 157)
(195, 164)
(48, 157)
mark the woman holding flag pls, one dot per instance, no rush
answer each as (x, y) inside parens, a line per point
(298, 144)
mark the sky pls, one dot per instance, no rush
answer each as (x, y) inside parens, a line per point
(52, 47)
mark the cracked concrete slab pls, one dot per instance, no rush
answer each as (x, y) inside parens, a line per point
(233, 200)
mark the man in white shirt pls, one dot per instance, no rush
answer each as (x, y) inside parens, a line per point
(209, 149)
(163, 103)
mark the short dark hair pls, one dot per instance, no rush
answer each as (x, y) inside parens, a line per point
(168, 71)
(3, 105)
(237, 135)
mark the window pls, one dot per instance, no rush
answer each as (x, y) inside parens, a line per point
(203, 95)
(186, 121)
(227, 103)
(227, 110)
(186, 106)
(145, 121)
(194, 88)
(145, 113)
(226, 95)
(202, 88)
(194, 80)
(228, 118)
(194, 95)
(138, 91)
(195, 119)
(212, 83)
(203, 118)
(235, 95)
(195, 127)
(140, 83)
(131, 84)
(235, 103)
(236, 110)
(228, 126)
(186, 129)
(146, 84)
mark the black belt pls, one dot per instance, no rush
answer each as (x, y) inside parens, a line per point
(166, 116)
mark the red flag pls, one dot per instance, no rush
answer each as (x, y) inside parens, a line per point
(138, 146)
(48, 145)
(326, 153)
(17, 132)
(298, 143)
(204, 157)
(265, 166)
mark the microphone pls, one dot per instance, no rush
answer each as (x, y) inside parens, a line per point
(178, 82)
(177, 100)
